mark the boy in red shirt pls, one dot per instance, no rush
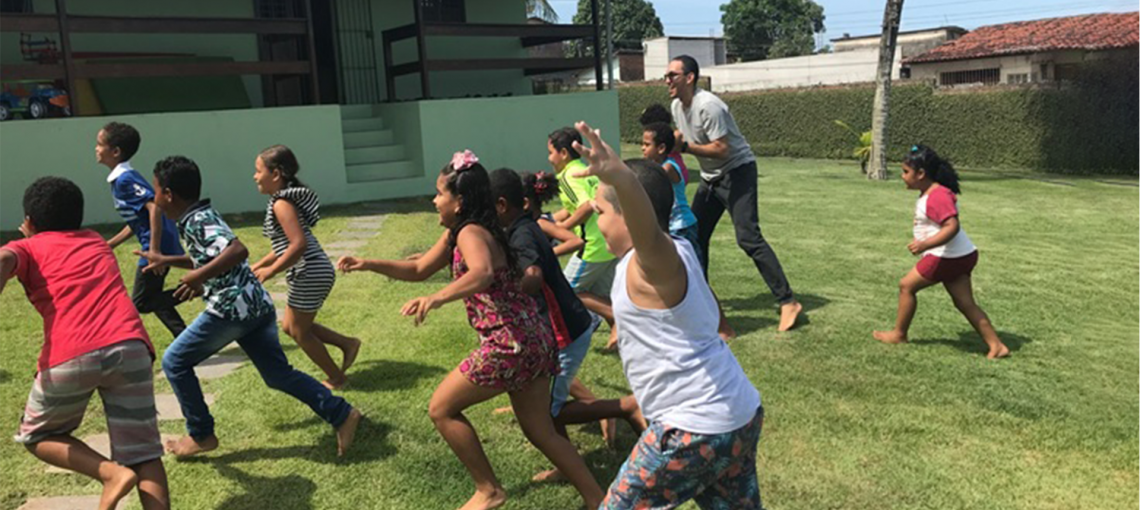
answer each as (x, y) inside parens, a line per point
(93, 340)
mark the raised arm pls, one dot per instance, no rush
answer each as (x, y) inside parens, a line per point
(655, 252)
(569, 242)
(416, 270)
(286, 214)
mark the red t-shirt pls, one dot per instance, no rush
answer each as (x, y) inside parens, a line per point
(73, 280)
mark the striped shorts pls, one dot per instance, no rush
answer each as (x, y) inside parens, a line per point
(122, 374)
(308, 289)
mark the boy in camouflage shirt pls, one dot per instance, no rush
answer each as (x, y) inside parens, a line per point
(237, 308)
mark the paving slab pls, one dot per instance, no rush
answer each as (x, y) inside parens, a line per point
(168, 408)
(336, 254)
(350, 244)
(62, 503)
(216, 367)
(279, 296)
(364, 224)
(357, 234)
(102, 443)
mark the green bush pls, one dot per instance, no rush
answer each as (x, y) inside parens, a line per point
(1089, 126)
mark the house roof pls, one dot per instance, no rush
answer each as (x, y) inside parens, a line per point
(949, 28)
(687, 38)
(1088, 32)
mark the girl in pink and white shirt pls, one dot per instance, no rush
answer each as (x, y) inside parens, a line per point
(948, 256)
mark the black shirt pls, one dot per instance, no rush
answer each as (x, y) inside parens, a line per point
(533, 249)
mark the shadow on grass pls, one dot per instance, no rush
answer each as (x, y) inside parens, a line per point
(389, 375)
(745, 323)
(971, 342)
(294, 491)
(603, 464)
(370, 444)
(4, 376)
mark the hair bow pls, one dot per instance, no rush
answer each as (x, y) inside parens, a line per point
(914, 148)
(540, 183)
(463, 160)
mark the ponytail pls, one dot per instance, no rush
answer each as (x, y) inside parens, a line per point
(282, 159)
(540, 188)
(938, 169)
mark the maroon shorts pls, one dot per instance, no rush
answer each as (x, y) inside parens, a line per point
(938, 269)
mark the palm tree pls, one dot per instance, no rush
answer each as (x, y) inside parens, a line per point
(542, 10)
(892, 15)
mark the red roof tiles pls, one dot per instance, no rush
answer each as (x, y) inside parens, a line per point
(1088, 32)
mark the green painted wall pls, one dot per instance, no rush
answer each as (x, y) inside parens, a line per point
(223, 143)
(389, 14)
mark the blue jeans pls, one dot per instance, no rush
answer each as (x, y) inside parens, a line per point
(257, 336)
(569, 361)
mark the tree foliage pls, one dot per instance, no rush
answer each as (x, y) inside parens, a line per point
(761, 29)
(634, 21)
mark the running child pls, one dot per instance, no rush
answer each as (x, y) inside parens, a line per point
(704, 414)
(591, 270)
(517, 352)
(540, 188)
(292, 212)
(948, 255)
(93, 340)
(115, 145)
(657, 144)
(573, 325)
(237, 308)
(658, 113)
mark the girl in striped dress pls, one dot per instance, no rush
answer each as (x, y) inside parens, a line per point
(289, 217)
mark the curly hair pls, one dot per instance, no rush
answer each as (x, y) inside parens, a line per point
(54, 203)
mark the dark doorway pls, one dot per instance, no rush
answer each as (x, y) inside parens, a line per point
(283, 90)
(356, 52)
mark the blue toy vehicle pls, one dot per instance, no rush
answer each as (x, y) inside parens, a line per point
(35, 102)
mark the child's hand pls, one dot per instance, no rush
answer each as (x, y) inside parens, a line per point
(916, 247)
(263, 273)
(348, 264)
(419, 308)
(604, 163)
(157, 262)
(191, 286)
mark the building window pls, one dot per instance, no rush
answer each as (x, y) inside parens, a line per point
(1044, 72)
(446, 11)
(904, 73)
(16, 6)
(1017, 78)
(1066, 72)
(981, 76)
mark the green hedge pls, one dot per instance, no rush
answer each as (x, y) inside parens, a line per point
(1090, 126)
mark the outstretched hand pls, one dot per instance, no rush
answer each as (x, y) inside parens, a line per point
(418, 308)
(348, 264)
(603, 162)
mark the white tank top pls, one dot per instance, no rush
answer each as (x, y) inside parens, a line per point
(682, 374)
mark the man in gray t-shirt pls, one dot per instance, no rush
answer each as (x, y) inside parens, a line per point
(706, 129)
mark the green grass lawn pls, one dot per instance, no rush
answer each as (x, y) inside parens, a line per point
(851, 423)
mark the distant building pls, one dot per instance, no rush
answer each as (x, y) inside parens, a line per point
(909, 44)
(707, 51)
(1028, 51)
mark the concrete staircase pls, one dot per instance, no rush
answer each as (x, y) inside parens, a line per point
(371, 151)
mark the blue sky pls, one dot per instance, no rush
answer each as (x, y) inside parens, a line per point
(862, 17)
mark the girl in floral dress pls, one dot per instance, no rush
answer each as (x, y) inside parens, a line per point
(517, 353)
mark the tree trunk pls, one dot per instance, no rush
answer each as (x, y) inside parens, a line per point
(891, 18)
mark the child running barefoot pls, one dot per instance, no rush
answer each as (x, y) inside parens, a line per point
(93, 340)
(948, 256)
(705, 415)
(292, 212)
(517, 352)
(237, 309)
(573, 325)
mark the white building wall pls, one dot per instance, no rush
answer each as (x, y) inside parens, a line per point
(659, 51)
(806, 71)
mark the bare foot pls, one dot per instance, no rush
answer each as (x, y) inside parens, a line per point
(334, 385)
(486, 501)
(788, 314)
(725, 330)
(187, 446)
(118, 486)
(612, 344)
(548, 476)
(504, 410)
(346, 431)
(889, 337)
(350, 353)
(609, 432)
(1000, 352)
